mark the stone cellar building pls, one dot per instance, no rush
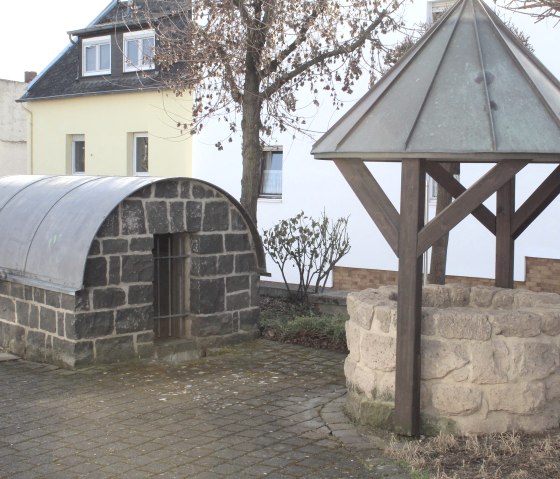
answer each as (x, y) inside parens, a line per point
(107, 269)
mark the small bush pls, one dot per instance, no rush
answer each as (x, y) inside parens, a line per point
(312, 246)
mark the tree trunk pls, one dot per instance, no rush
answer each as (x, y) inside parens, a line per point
(438, 261)
(252, 150)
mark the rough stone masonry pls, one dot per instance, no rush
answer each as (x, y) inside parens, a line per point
(490, 358)
(112, 318)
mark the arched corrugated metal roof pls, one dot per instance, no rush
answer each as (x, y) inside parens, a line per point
(467, 91)
(48, 223)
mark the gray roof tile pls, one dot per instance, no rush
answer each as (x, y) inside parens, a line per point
(63, 77)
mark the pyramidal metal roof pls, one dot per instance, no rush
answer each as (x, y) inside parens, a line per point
(468, 91)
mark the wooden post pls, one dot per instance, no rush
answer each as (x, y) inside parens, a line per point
(409, 302)
(505, 209)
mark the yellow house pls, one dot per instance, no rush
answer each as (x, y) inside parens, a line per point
(100, 108)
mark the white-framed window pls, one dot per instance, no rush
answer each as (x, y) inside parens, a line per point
(140, 158)
(139, 50)
(432, 187)
(96, 56)
(437, 8)
(78, 152)
(271, 179)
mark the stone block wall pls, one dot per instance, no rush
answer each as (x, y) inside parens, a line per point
(40, 325)
(542, 274)
(490, 358)
(112, 318)
(357, 279)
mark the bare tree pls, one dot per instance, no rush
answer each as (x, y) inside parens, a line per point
(539, 9)
(244, 61)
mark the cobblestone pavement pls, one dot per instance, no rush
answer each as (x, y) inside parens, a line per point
(261, 410)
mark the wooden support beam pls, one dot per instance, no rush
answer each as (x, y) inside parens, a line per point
(456, 189)
(465, 204)
(536, 203)
(409, 301)
(505, 207)
(373, 198)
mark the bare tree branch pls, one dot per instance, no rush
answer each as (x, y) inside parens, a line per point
(538, 9)
(307, 24)
(243, 11)
(245, 62)
(341, 50)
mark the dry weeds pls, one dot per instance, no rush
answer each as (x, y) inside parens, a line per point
(495, 456)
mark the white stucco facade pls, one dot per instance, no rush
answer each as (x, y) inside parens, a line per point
(316, 185)
(13, 129)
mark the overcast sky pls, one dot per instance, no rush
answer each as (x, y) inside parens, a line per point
(33, 32)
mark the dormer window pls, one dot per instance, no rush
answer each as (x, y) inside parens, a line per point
(96, 56)
(139, 50)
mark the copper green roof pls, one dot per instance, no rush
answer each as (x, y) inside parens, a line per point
(468, 91)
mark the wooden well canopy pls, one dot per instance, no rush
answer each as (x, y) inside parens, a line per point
(467, 92)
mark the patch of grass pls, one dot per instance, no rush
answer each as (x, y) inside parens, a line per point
(297, 324)
(279, 308)
(509, 455)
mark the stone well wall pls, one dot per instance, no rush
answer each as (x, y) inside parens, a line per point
(112, 319)
(490, 358)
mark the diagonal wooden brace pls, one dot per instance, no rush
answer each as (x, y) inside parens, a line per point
(456, 189)
(536, 203)
(465, 204)
(373, 199)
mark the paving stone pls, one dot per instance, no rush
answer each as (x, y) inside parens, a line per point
(262, 409)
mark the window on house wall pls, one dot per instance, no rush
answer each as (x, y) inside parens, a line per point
(271, 179)
(78, 154)
(432, 187)
(96, 56)
(140, 158)
(139, 50)
(171, 289)
(432, 190)
(437, 9)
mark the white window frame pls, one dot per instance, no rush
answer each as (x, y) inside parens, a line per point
(432, 188)
(143, 134)
(134, 37)
(268, 152)
(437, 8)
(96, 42)
(75, 139)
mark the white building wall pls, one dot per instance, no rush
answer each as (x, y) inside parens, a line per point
(13, 129)
(316, 185)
